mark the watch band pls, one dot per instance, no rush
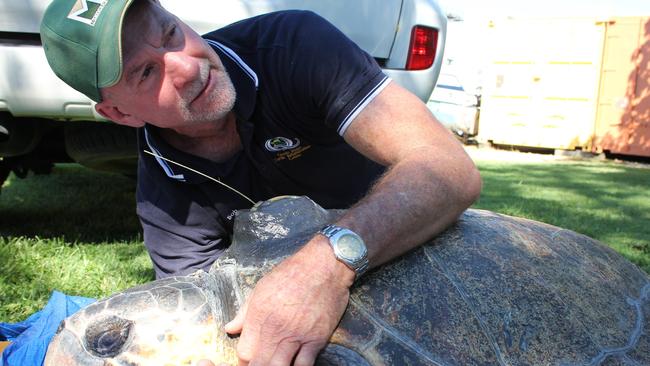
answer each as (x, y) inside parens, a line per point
(360, 264)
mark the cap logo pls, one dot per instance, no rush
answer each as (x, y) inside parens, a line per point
(87, 11)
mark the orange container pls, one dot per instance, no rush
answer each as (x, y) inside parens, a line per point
(623, 115)
(3, 345)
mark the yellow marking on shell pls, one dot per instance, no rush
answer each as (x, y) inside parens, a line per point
(340, 336)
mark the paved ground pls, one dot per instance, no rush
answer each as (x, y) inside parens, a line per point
(487, 153)
(490, 154)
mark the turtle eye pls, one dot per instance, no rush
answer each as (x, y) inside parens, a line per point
(106, 337)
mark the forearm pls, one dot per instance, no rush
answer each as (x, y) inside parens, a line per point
(415, 200)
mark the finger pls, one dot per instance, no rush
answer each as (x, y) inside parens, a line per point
(307, 355)
(236, 325)
(260, 340)
(276, 354)
(247, 343)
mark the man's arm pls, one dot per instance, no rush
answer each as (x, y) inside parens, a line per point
(430, 181)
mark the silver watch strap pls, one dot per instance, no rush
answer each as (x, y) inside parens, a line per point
(359, 267)
(330, 230)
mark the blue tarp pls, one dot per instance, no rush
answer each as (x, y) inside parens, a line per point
(29, 338)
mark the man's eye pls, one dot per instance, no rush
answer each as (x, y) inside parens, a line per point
(171, 34)
(146, 72)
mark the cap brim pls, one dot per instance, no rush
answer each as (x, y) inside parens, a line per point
(109, 52)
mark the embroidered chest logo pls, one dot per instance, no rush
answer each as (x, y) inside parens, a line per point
(285, 148)
(277, 144)
(87, 11)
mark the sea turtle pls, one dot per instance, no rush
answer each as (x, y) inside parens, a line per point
(490, 290)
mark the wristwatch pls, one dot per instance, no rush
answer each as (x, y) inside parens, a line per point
(348, 248)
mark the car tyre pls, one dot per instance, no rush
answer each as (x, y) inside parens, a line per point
(102, 146)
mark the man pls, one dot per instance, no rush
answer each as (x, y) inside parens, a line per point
(278, 104)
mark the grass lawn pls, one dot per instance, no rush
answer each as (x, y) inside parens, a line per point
(604, 200)
(76, 230)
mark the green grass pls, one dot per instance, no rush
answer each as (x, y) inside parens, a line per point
(607, 201)
(76, 230)
(33, 267)
(74, 203)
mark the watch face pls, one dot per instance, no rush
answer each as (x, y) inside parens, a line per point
(350, 247)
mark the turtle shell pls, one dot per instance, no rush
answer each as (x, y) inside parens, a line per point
(490, 290)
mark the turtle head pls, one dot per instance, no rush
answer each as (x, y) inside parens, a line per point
(173, 321)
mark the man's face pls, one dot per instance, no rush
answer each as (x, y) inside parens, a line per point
(171, 77)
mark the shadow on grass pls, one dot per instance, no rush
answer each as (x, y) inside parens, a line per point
(75, 231)
(74, 203)
(604, 201)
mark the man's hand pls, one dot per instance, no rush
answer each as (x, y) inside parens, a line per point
(294, 309)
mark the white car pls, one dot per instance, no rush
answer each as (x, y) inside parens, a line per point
(454, 107)
(43, 121)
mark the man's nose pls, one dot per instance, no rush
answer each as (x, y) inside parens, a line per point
(182, 69)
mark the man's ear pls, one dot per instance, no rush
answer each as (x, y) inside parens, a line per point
(113, 113)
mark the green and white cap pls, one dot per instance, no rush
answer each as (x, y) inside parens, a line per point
(82, 42)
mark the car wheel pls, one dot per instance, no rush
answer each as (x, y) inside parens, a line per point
(102, 146)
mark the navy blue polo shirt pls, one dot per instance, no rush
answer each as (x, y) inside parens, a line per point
(300, 83)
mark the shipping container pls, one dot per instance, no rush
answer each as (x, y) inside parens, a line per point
(568, 83)
(541, 82)
(623, 119)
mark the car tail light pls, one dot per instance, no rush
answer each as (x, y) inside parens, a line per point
(422, 50)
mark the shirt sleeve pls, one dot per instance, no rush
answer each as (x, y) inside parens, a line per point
(330, 73)
(181, 235)
(306, 67)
